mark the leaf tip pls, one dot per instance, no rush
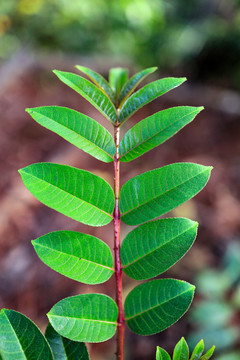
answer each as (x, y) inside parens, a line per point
(57, 72)
(182, 79)
(33, 242)
(79, 67)
(29, 110)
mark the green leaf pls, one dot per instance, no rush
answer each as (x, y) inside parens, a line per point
(20, 338)
(88, 317)
(208, 354)
(63, 348)
(78, 256)
(154, 247)
(90, 92)
(98, 80)
(159, 191)
(197, 352)
(147, 94)
(80, 130)
(133, 82)
(154, 306)
(162, 354)
(73, 192)
(181, 351)
(117, 78)
(154, 130)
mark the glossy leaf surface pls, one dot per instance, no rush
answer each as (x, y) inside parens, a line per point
(78, 256)
(80, 130)
(117, 78)
(154, 306)
(147, 94)
(73, 192)
(154, 247)
(133, 82)
(208, 354)
(159, 191)
(88, 317)
(65, 349)
(162, 354)
(197, 352)
(90, 92)
(181, 350)
(154, 130)
(98, 80)
(20, 338)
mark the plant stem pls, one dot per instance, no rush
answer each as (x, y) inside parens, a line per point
(118, 265)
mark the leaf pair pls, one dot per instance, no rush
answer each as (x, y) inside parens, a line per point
(20, 339)
(181, 352)
(77, 193)
(149, 308)
(86, 134)
(146, 252)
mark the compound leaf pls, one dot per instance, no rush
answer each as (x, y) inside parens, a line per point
(154, 247)
(117, 78)
(162, 354)
(98, 80)
(197, 352)
(73, 192)
(147, 94)
(154, 130)
(133, 82)
(20, 338)
(88, 317)
(154, 306)
(90, 92)
(208, 354)
(63, 348)
(78, 256)
(80, 130)
(181, 350)
(158, 191)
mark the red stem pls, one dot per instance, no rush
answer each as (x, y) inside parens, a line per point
(118, 265)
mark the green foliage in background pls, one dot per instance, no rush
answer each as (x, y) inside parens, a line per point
(200, 34)
(214, 318)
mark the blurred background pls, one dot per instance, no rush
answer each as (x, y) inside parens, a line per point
(199, 39)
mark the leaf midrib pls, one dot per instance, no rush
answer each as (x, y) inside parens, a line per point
(15, 335)
(134, 86)
(136, 94)
(73, 256)
(88, 97)
(133, 209)
(158, 248)
(75, 318)
(162, 303)
(150, 137)
(74, 132)
(69, 194)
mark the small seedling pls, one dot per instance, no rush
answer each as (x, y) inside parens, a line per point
(147, 251)
(181, 352)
